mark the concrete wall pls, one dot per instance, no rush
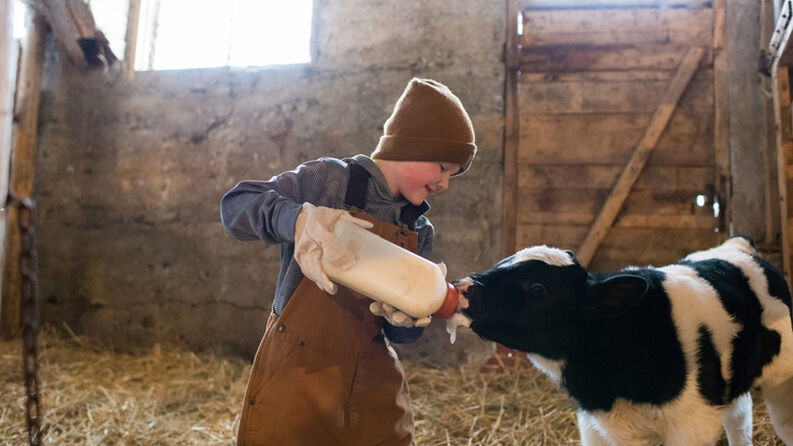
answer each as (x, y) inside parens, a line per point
(130, 173)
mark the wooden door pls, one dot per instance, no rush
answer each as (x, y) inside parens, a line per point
(780, 65)
(588, 79)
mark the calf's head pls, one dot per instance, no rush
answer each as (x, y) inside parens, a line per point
(538, 299)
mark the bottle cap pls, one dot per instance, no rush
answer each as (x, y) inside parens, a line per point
(449, 305)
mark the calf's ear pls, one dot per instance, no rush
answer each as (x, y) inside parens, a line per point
(614, 296)
(571, 254)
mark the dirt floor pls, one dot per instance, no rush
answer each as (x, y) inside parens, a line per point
(159, 396)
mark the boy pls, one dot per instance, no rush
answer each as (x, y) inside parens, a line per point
(324, 373)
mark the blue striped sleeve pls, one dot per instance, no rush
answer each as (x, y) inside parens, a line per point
(267, 210)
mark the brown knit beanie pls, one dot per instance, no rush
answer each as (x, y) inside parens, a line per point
(429, 123)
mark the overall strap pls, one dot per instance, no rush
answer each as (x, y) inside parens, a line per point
(411, 213)
(356, 197)
(356, 188)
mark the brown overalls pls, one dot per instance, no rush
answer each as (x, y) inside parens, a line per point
(324, 374)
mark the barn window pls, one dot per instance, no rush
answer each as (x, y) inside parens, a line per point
(182, 34)
(179, 34)
(20, 9)
(111, 19)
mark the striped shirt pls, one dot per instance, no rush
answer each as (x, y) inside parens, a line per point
(267, 211)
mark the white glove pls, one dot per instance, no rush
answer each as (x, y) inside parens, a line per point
(396, 317)
(314, 240)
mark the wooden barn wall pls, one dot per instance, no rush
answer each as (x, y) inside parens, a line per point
(130, 173)
(590, 82)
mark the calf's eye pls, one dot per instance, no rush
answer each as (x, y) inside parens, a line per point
(537, 289)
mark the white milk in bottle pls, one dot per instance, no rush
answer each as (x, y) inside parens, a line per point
(391, 274)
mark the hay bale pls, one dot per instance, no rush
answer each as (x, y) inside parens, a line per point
(164, 396)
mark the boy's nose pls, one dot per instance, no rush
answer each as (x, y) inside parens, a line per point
(444, 182)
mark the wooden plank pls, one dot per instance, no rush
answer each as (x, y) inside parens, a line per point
(670, 249)
(23, 164)
(655, 178)
(720, 130)
(83, 19)
(699, 37)
(657, 125)
(590, 202)
(612, 4)
(597, 76)
(511, 135)
(625, 242)
(609, 96)
(611, 138)
(618, 27)
(768, 137)
(691, 221)
(620, 20)
(782, 102)
(131, 39)
(511, 138)
(8, 59)
(576, 58)
(66, 30)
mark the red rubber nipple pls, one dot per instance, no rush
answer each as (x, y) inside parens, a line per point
(449, 304)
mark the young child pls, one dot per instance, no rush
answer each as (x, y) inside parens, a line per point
(324, 372)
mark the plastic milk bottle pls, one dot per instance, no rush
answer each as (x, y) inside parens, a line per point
(391, 274)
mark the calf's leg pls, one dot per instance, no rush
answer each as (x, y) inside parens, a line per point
(779, 401)
(737, 421)
(590, 436)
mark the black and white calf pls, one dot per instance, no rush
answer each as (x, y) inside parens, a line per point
(649, 354)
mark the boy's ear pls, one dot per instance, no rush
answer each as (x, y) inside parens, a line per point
(614, 296)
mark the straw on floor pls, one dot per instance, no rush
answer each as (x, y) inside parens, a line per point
(170, 396)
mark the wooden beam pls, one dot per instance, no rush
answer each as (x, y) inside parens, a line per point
(781, 96)
(512, 50)
(23, 162)
(511, 134)
(133, 19)
(767, 139)
(66, 30)
(687, 27)
(8, 69)
(612, 4)
(720, 130)
(628, 177)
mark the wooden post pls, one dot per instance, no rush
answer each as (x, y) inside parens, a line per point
(784, 151)
(22, 165)
(768, 138)
(511, 134)
(8, 70)
(658, 123)
(720, 130)
(133, 18)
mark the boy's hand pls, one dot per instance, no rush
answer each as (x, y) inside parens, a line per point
(396, 317)
(314, 240)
